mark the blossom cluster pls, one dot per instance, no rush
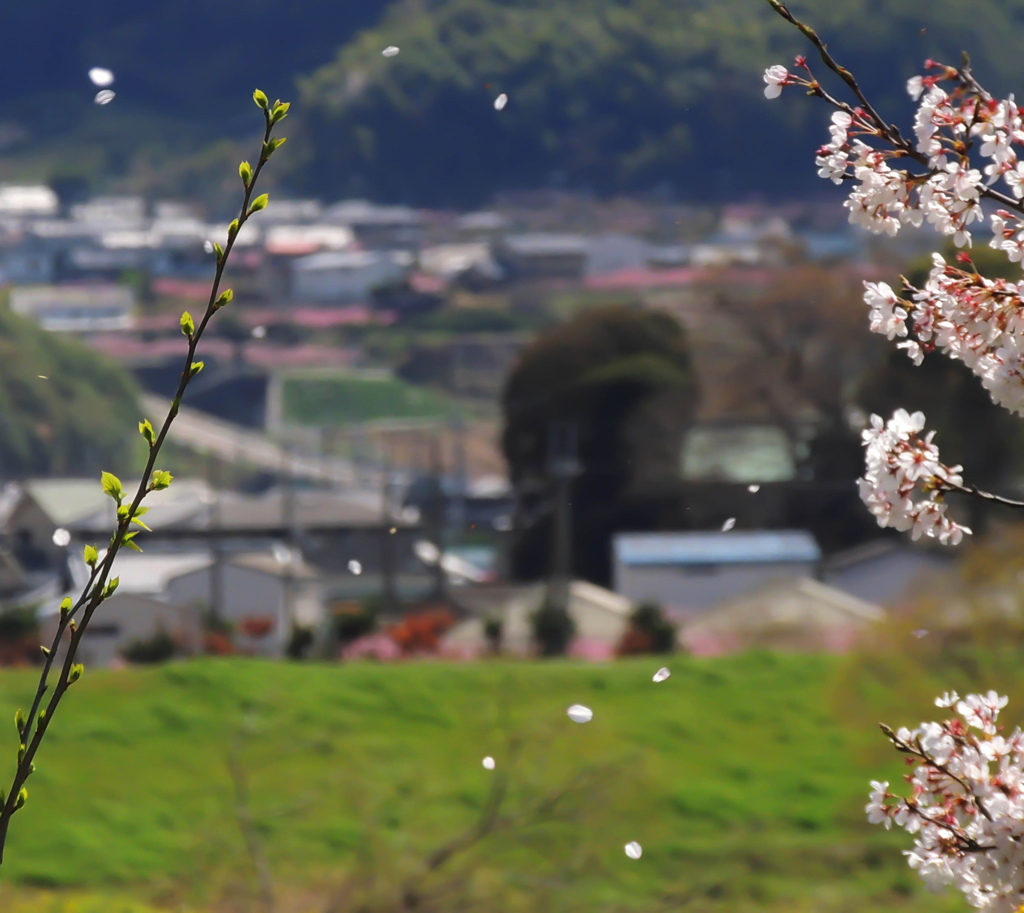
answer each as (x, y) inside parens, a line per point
(902, 463)
(966, 802)
(966, 147)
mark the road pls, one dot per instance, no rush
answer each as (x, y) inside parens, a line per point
(234, 444)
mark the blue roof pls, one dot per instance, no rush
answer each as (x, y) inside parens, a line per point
(755, 547)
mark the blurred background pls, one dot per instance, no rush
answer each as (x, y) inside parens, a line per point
(546, 370)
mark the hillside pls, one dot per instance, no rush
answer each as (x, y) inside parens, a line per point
(742, 783)
(64, 410)
(604, 95)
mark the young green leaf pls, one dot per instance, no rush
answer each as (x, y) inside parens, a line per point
(280, 111)
(22, 798)
(111, 587)
(188, 326)
(233, 228)
(146, 430)
(261, 99)
(245, 173)
(112, 486)
(65, 606)
(90, 555)
(225, 297)
(259, 203)
(19, 721)
(271, 146)
(195, 368)
(160, 480)
(75, 673)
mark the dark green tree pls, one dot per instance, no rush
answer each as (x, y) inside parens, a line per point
(621, 378)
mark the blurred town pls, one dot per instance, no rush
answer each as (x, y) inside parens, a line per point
(434, 433)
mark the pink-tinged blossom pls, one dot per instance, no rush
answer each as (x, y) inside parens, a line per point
(965, 803)
(776, 77)
(904, 479)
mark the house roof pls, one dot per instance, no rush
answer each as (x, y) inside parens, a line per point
(149, 574)
(689, 548)
(544, 243)
(793, 601)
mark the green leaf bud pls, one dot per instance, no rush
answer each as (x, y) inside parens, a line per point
(146, 430)
(245, 173)
(111, 587)
(90, 555)
(261, 99)
(22, 798)
(225, 297)
(259, 203)
(75, 673)
(195, 368)
(112, 486)
(280, 111)
(188, 326)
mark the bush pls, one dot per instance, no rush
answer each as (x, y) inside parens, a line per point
(553, 630)
(156, 649)
(649, 631)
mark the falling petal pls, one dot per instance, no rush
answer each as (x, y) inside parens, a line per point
(101, 76)
(920, 632)
(728, 524)
(580, 714)
(634, 850)
(61, 537)
(104, 97)
(208, 246)
(355, 567)
(42, 377)
(259, 332)
(753, 489)
(390, 51)
(500, 101)
(662, 674)
(488, 763)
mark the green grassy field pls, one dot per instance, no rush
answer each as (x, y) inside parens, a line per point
(738, 777)
(346, 400)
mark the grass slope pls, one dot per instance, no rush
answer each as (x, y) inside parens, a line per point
(346, 400)
(742, 785)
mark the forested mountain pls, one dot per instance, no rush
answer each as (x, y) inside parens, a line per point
(604, 94)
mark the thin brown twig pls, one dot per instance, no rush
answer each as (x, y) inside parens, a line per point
(75, 618)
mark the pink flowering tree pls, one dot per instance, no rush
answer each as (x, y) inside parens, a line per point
(957, 171)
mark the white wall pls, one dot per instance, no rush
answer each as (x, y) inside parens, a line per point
(693, 590)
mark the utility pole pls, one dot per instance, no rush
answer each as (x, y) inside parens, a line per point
(216, 544)
(388, 590)
(563, 467)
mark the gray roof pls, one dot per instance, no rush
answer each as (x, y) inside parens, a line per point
(754, 547)
(546, 243)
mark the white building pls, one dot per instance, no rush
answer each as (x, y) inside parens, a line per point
(76, 308)
(335, 276)
(690, 572)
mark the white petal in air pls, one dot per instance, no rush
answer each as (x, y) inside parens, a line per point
(920, 632)
(500, 101)
(390, 51)
(259, 332)
(488, 763)
(61, 537)
(354, 567)
(101, 76)
(661, 674)
(580, 714)
(634, 850)
(208, 246)
(728, 524)
(753, 489)
(104, 97)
